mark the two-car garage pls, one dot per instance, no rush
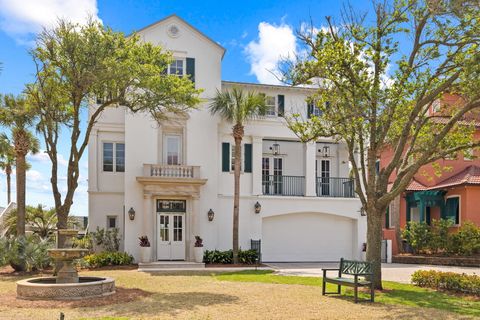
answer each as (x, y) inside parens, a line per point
(307, 237)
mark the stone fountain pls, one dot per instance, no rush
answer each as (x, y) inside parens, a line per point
(67, 285)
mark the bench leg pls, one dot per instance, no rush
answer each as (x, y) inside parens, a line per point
(339, 289)
(323, 287)
(372, 292)
(355, 293)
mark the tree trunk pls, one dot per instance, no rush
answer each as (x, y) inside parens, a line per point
(21, 190)
(374, 244)
(396, 219)
(238, 134)
(8, 172)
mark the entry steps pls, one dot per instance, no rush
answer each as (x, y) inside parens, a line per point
(162, 266)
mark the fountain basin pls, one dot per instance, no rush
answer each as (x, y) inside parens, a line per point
(47, 288)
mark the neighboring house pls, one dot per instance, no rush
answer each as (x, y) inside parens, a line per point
(454, 194)
(3, 213)
(175, 180)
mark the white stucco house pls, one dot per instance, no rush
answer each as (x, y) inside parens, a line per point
(173, 174)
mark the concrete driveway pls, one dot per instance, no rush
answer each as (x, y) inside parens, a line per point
(390, 271)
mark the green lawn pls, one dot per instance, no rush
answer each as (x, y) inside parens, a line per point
(394, 293)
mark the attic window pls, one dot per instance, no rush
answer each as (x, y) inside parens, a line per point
(173, 31)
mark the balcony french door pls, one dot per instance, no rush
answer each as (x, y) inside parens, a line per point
(272, 170)
(323, 185)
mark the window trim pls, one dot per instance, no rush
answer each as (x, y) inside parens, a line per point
(275, 106)
(165, 147)
(459, 208)
(108, 221)
(114, 156)
(184, 66)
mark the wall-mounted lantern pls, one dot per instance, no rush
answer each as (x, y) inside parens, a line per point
(258, 207)
(326, 151)
(131, 214)
(210, 215)
(275, 148)
(362, 211)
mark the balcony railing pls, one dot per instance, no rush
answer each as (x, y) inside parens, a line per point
(171, 171)
(335, 187)
(283, 185)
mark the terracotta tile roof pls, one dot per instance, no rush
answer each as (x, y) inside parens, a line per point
(445, 119)
(470, 175)
(416, 186)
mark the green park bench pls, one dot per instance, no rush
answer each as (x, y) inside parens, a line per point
(360, 270)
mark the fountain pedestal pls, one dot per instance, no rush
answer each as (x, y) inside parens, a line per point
(68, 273)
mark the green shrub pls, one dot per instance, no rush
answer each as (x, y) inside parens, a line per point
(417, 235)
(466, 241)
(439, 235)
(83, 243)
(107, 258)
(108, 239)
(449, 281)
(25, 253)
(226, 257)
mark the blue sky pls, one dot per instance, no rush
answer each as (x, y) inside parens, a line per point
(255, 34)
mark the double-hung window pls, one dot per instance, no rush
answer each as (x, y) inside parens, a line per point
(177, 67)
(113, 157)
(271, 106)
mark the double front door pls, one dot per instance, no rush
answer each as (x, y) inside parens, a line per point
(171, 236)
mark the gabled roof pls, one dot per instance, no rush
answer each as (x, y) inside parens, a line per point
(470, 175)
(416, 186)
(187, 24)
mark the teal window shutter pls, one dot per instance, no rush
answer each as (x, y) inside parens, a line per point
(191, 68)
(281, 105)
(248, 157)
(226, 157)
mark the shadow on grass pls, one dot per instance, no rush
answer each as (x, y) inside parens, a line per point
(170, 303)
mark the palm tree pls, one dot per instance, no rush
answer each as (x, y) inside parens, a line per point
(16, 115)
(237, 107)
(7, 161)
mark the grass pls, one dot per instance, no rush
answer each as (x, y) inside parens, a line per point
(394, 293)
(240, 295)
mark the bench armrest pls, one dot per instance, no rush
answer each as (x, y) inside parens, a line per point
(329, 269)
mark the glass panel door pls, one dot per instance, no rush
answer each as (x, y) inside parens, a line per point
(325, 174)
(277, 175)
(266, 175)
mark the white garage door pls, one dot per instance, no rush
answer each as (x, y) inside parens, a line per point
(306, 237)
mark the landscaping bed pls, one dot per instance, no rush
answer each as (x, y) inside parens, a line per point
(473, 261)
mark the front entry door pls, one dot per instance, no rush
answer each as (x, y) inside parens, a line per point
(171, 236)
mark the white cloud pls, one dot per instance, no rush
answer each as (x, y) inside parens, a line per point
(21, 19)
(273, 44)
(42, 157)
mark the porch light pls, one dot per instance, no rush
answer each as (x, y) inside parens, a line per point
(275, 148)
(258, 207)
(210, 215)
(131, 214)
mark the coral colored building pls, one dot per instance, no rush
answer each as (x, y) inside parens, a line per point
(455, 194)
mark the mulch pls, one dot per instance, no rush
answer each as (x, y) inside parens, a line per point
(121, 295)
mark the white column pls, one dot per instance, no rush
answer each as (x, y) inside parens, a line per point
(93, 161)
(149, 222)
(310, 178)
(257, 165)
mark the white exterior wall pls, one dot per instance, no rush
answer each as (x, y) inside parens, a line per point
(203, 136)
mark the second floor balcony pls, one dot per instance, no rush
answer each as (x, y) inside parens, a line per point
(281, 185)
